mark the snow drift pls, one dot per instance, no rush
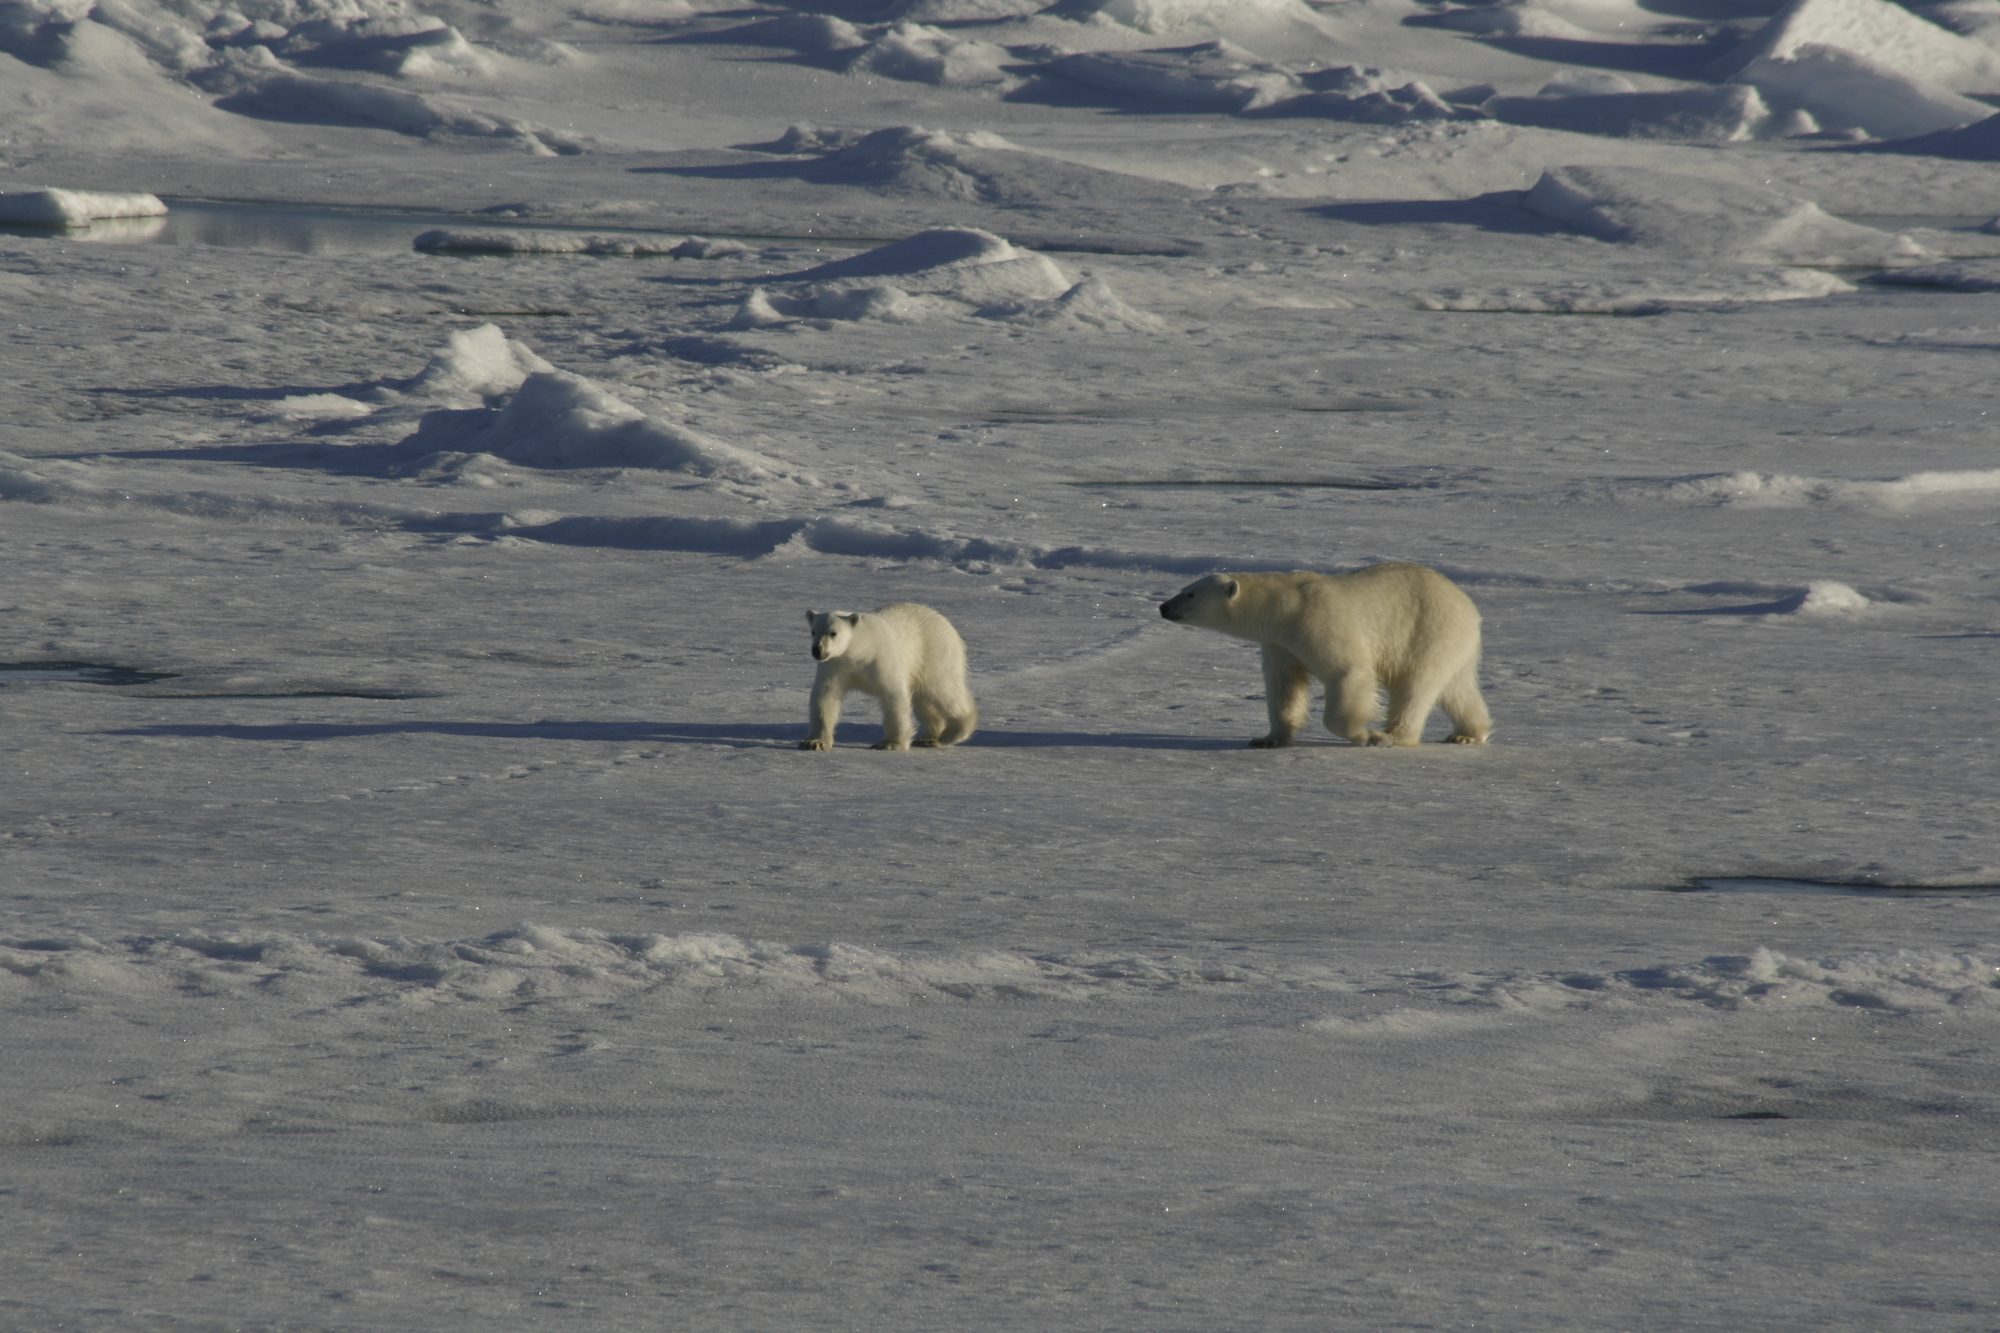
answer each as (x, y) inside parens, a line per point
(1636, 206)
(942, 270)
(559, 420)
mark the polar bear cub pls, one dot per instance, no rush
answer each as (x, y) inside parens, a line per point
(1405, 628)
(906, 655)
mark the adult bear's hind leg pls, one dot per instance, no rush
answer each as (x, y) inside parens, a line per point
(1353, 700)
(1470, 722)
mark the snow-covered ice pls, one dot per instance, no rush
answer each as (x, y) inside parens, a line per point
(418, 914)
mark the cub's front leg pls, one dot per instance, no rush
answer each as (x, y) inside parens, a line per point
(899, 727)
(828, 691)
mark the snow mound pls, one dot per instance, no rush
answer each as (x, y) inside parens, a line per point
(1843, 90)
(320, 407)
(1089, 304)
(271, 92)
(919, 54)
(1370, 95)
(1824, 597)
(965, 11)
(913, 160)
(1216, 75)
(963, 265)
(1163, 17)
(962, 261)
(1221, 76)
(509, 241)
(474, 365)
(1517, 18)
(1728, 114)
(893, 305)
(1637, 206)
(1887, 35)
(815, 33)
(74, 208)
(409, 46)
(558, 420)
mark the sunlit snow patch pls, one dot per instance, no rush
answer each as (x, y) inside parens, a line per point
(74, 208)
(476, 364)
(1890, 35)
(1784, 491)
(1848, 90)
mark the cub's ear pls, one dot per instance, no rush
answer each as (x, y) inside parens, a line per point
(852, 618)
(811, 616)
(1230, 589)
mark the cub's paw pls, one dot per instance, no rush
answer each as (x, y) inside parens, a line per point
(888, 745)
(815, 744)
(1270, 742)
(927, 742)
(1385, 738)
(1459, 738)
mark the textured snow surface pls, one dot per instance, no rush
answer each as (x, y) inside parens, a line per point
(417, 912)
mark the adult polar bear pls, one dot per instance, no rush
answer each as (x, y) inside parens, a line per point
(906, 655)
(1403, 627)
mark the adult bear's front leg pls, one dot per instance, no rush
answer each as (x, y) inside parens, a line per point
(1287, 691)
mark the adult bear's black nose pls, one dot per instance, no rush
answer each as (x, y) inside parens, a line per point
(1167, 611)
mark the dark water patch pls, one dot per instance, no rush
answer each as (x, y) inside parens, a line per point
(90, 673)
(1834, 888)
(333, 229)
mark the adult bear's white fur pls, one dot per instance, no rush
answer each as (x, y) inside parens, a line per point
(906, 655)
(1405, 628)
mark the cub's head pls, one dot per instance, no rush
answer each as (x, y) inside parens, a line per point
(1204, 602)
(832, 631)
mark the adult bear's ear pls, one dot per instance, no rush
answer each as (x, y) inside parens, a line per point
(1231, 590)
(811, 616)
(852, 618)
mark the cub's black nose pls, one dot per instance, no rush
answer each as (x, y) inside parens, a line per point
(1167, 611)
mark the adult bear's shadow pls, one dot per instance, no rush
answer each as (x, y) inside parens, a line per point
(752, 735)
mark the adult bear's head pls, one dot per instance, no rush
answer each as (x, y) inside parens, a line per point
(1204, 602)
